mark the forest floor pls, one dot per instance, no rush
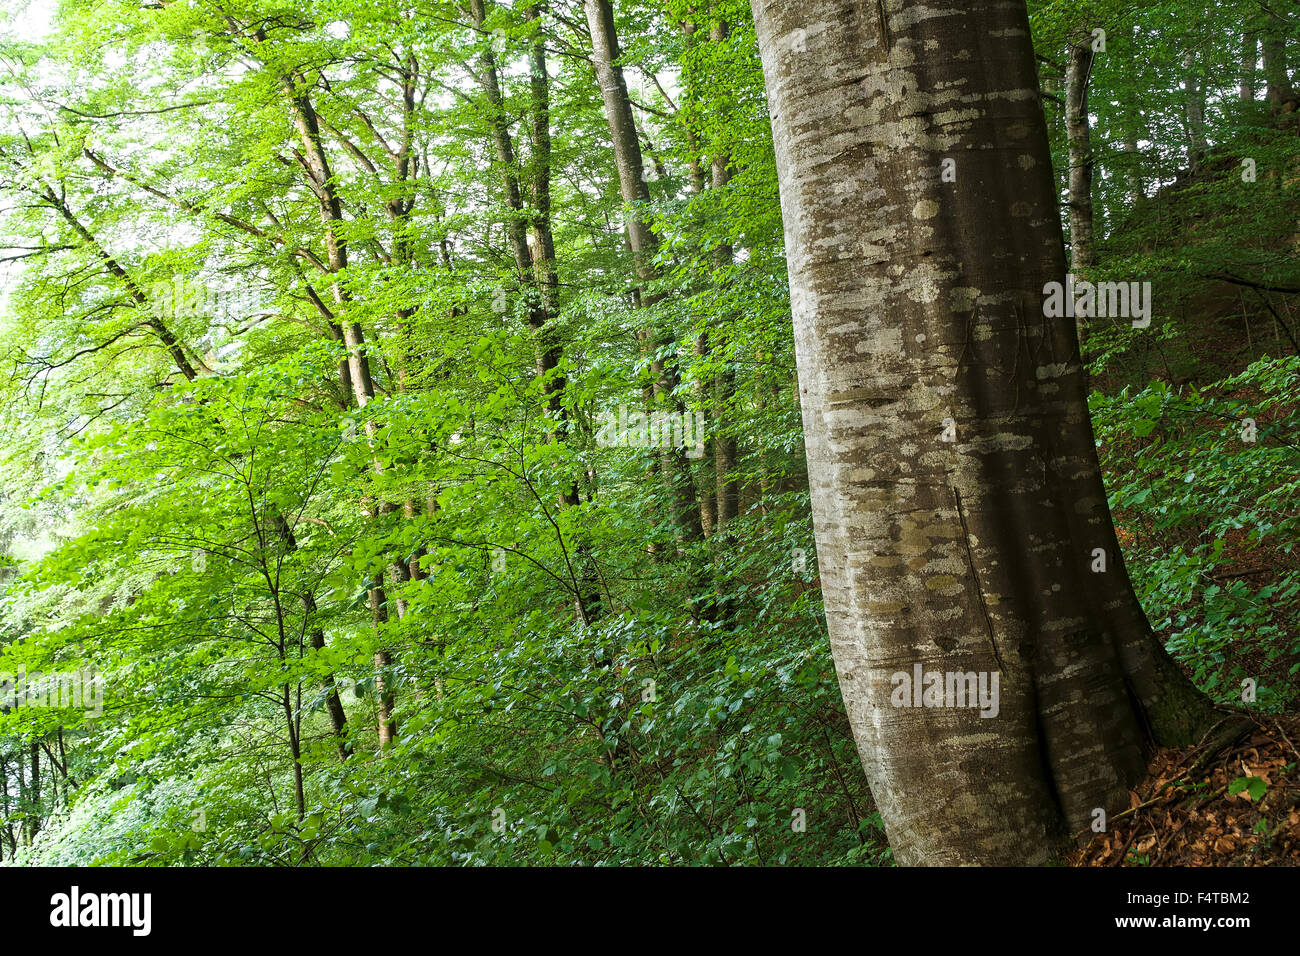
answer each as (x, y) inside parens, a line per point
(1223, 803)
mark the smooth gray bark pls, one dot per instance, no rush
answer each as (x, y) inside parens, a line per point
(918, 313)
(1194, 111)
(1078, 75)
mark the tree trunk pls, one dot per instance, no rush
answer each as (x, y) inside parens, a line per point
(706, 395)
(550, 352)
(535, 262)
(1133, 171)
(34, 793)
(316, 636)
(384, 701)
(321, 180)
(724, 438)
(20, 758)
(1276, 77)
(1194, 111)
(295, 745)
(622, 130)
(8, 834)
(153, 322)
(1077, 76)
(1134, 129)
(333, 703)
(918, 313)
(1249, 60)
(705, 384)
(635, 192)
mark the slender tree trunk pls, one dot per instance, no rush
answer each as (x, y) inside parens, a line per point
(1134, 129)
(535, 262)
(20, 757)
(622, 130)
(706, 395)
(550, 352)
(1194, 111)
(320, 178)
(1249, 61)
(654, 466)
(34, 793)
(545, 271)
(517, 221)
(384, 700)
(405, 170)
(1133, 171)
(333, 702)
(1083, 254)
(295, 750)
(63, 757)
(316, 636)
(5, 807)
(190, 369)
(957, 499)
(629, 164)
(1078, 75)
(715, 389)
(705, 384)
(724, 437)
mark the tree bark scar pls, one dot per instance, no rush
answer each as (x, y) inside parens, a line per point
(979, 591)
(884, 27)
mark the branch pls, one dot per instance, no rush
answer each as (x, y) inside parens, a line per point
(201, 209)
(165, 109)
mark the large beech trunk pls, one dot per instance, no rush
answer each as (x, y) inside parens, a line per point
(918, 315)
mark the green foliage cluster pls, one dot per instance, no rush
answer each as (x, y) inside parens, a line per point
(1204, 488)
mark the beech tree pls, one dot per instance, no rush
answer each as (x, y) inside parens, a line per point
(960, 515)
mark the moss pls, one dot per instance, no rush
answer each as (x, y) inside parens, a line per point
(1181, 715)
